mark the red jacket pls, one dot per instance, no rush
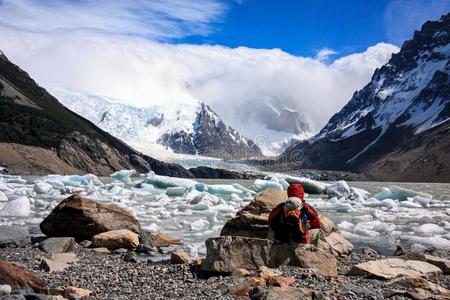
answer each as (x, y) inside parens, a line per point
(297, 232)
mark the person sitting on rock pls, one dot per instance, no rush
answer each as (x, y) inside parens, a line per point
(290, 221)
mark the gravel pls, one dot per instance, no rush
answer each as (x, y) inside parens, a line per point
(109, 276)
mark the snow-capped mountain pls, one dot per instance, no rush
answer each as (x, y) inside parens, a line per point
(404, 106)
(190, 127)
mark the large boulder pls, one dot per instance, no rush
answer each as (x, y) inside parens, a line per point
(116, 239)
(14, 237)
(228, 253)
(83, 218)
(18, 278)
(252, 221)
(57, 245)
(393, 267)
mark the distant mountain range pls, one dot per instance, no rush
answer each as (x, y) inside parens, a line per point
(38, 135)
(397, 127)
(187, 128)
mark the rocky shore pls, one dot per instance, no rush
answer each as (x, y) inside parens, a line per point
(90, 250)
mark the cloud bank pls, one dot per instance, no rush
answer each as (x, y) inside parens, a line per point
(120, 49)
(237, 82)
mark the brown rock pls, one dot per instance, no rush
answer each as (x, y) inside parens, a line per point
(228, 253)
(418, 284)
(160, 239)
(290, 293)
(240, 273)
(243, 288)
(180, 257)
(76, 293)
(441, 263)
(393, 267)
(266, 272)
(116, 239)
(83, 218)
(252, 221)
(101, 250)
(58, 262)
(280, 281)
(19, 278)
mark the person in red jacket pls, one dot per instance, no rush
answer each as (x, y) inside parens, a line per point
(290, 221)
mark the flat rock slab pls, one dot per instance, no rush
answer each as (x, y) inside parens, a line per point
(393, 267)
(58, 262)
(14, 237)
(441, 263)
(57, 245)
(290, 293)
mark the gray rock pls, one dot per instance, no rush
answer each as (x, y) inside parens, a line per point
(58, 262)
(120, 251)
(142, 248)
(57, 245)
(13, 297)
(14, 237)
(228, 253)
(290, 293)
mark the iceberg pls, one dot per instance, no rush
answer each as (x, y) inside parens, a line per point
(42, 187)
(262, 185)
(175, 191)
(166, 181)
(338, 189)
(244, 189)
(19, 207)
(123, 176)
(217, 189)
(3, 197)
(310, 186)
(429, 230)
(403, 194)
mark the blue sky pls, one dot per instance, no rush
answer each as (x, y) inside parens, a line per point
(304, 27)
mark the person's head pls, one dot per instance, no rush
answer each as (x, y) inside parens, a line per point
(294, 203)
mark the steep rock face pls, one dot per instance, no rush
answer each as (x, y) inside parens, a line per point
(187, 128)
(396, 127)
(33, 121)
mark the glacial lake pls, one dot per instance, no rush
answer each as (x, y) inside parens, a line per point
(196, 216)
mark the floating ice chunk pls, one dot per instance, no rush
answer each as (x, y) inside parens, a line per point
(217, 189)
(146, 187)
(19, 207)
(198, 225)
(357, 194)
(434, 241)
(123, 175)
(429, 230)
(3, 197)
(310, 186)
(93, 180)
(425, 202)
(175, 191)
(389, 203)
(166, 181)
(42, 187)
(244, 189)
(262, 185)
(403, 194)
(344, 225)
(372, 202)
(344, 207)
(410, 204)
(338, 189)
(284, 184)
(385, 193)
(366, 232)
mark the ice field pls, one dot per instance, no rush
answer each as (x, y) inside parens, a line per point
(380, 215)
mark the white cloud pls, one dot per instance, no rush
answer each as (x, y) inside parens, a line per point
(324, 54)
(155, 19)
(402, 17)
(236, 82)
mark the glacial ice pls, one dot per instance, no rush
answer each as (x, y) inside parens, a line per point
(42, 187)
(19, 207)
(166, 181)
(262, 185)
(403, 194)
(123, 176)
(163, 203)
(310, 186)
(3, 197)
(338, 189)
